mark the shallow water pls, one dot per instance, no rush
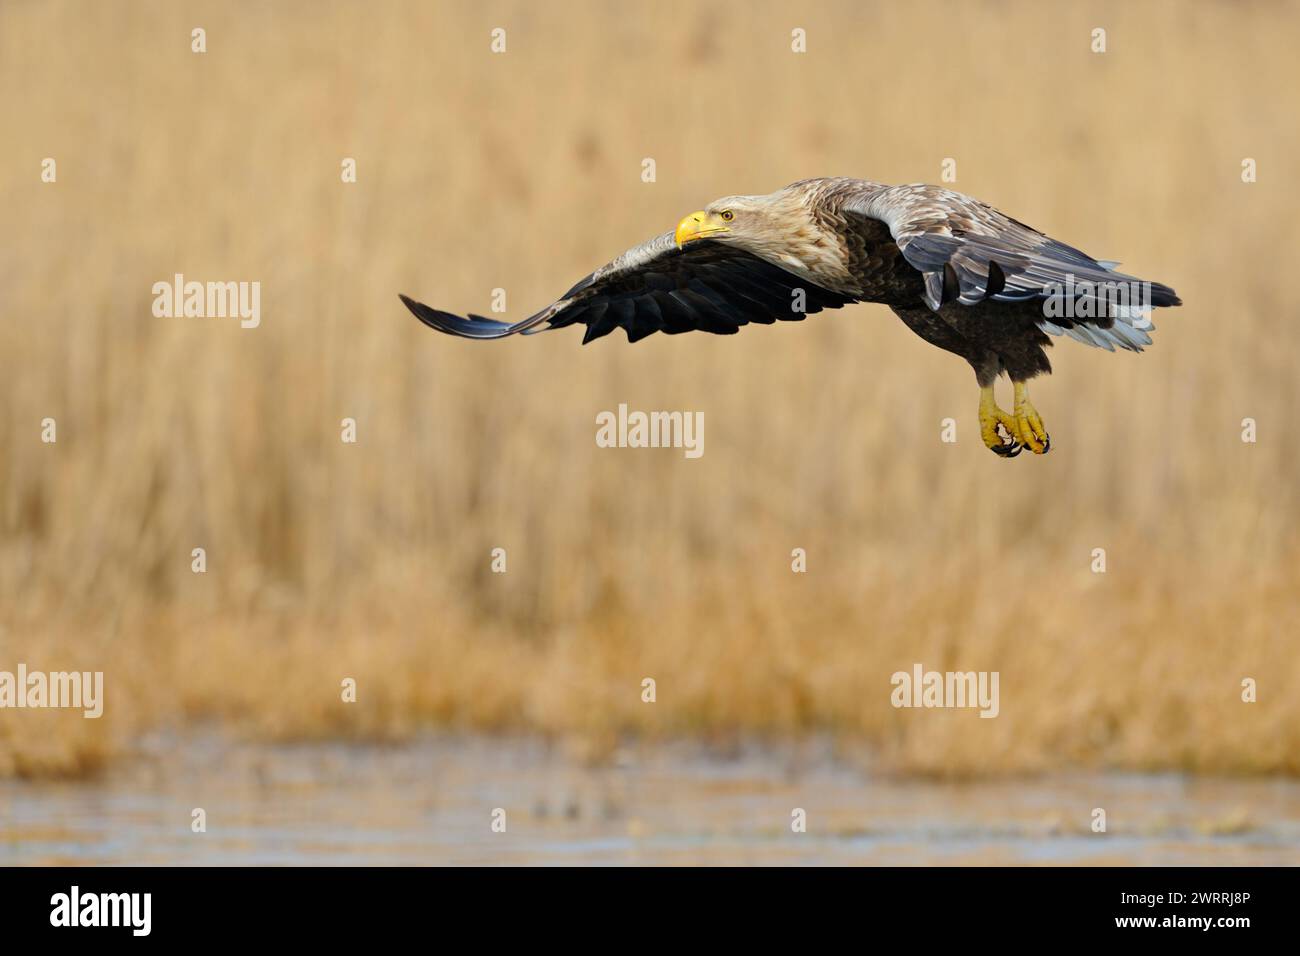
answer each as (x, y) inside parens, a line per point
(432, 802)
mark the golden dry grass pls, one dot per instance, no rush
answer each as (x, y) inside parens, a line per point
(523, 171)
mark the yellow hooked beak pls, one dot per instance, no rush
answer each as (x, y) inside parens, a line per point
(698, 225)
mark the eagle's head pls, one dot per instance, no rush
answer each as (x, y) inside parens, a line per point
(778, 227)
(738, 219)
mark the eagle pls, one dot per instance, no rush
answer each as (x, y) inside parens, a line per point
(959, 273)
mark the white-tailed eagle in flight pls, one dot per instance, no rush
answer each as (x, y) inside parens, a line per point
(960, 274)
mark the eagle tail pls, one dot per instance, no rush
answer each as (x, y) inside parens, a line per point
(1123, 325)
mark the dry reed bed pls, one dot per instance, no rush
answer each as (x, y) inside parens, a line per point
(522, 171)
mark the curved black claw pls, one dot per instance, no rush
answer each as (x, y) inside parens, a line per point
(1007, 451)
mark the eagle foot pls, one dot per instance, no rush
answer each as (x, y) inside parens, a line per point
(1028, 425)
(1003, 443)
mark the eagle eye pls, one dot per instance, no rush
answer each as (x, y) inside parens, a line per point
(728, 215)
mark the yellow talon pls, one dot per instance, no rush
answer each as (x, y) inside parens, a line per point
(990, 418)
(1028, 425)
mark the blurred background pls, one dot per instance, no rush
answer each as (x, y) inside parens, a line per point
(522, 171)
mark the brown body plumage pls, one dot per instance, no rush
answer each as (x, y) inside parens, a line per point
(960, 274)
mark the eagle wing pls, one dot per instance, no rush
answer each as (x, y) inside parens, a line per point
(968, 252)
(658, 286)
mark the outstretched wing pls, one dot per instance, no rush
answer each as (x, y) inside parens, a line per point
(656, 286)
(968, 252)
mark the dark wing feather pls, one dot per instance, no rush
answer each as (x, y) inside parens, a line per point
(968, 252)
(657, 287)
(936, 228)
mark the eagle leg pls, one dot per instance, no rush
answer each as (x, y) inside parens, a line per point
(990, 418)
(1028, 426)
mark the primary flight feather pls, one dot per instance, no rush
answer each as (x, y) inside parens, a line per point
(960, 274)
